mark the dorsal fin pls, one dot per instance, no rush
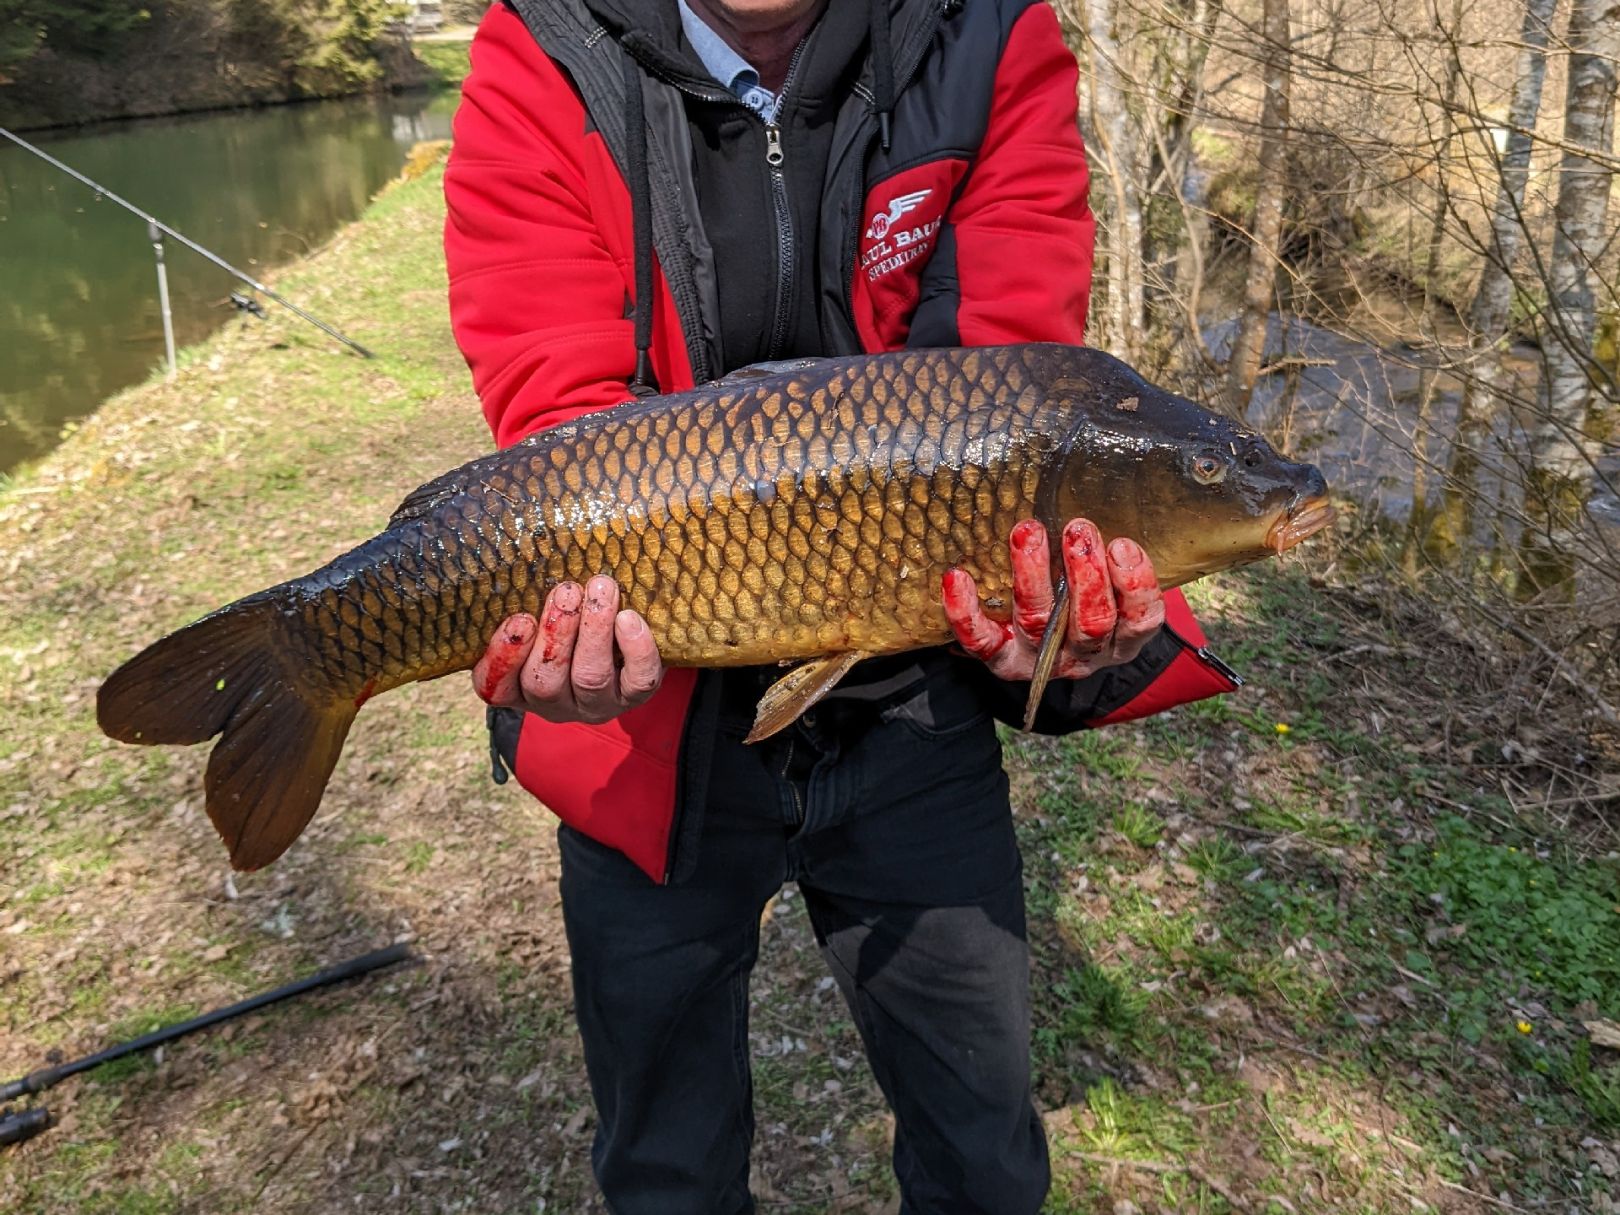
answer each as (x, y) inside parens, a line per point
(425, 499)
(760, 371)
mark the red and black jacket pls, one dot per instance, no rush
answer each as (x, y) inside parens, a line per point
(933, 195)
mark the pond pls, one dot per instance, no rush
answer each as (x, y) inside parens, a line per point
(79, 317)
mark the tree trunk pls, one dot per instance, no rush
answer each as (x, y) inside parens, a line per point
(1172, 256)
(1490, 311)
(1418, 521)
(1561, 451)
(1122, 234)
(1243, 368)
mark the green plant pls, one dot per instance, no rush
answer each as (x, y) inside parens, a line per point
(1507, 905)
(1092, 1000)
(76, 27)
(1215, 857)
(1597, 1087)
(1138, 824)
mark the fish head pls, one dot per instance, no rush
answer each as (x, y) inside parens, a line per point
(1199, 491)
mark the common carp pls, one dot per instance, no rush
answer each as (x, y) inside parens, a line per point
(805, 510)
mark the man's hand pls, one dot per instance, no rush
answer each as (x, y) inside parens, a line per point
(563, 666)
(1115, 604)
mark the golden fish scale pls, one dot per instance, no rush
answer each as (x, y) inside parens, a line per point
(749, 523)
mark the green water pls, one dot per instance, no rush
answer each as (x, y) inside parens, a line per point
(79, 315)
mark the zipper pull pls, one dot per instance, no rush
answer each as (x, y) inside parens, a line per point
(773, 145)
(1202, 652)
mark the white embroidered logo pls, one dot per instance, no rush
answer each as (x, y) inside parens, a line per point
(898, 206)
(893, 244)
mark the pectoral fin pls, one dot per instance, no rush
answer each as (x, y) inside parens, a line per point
(1051, 644)
(796, 691)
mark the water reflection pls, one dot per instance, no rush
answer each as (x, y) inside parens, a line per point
(1353, 409)
(78, 292)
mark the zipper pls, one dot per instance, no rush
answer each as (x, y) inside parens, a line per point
(798, 806)
(784, 241)
(1203, 654)
(1208, 658)
(775, 161)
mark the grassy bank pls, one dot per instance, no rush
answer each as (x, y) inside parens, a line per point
(1327, 945)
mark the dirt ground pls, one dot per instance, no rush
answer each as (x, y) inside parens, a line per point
(1330, 945)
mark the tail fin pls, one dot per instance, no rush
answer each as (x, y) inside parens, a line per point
(223, 675)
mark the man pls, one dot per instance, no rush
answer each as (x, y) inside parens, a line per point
(645, 194)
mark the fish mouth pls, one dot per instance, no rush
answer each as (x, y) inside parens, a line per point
(1299, 524)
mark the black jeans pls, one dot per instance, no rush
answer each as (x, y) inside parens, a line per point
(894, 821)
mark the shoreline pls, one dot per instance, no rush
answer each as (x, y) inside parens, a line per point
(91, 126)
(433, 63)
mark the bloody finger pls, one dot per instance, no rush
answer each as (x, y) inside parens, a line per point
(595, 675)
(496, 676)
(545, 675)
(1091, 597)
(980, 636)
(1032, 579)
(1136, 590)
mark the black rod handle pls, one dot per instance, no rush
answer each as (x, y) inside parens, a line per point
(22, 1125)
(49, 1077)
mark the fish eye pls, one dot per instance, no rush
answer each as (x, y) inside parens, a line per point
(1208, 470)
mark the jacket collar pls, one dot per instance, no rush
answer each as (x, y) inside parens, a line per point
(651, 31)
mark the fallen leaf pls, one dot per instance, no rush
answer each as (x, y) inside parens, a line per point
(1604, 1033)
(1256, 1078)
(1228, 1011)
(1606, 1161)
(577, 1121)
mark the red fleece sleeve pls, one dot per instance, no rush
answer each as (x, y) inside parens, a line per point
(1024, 230)
(537, 298)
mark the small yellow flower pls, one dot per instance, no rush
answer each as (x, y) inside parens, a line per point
(1282, 727)
(1523, 1027)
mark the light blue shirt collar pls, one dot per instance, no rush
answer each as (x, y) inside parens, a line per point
(727, 66)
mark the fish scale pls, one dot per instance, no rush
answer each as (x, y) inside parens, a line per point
(801, 511)
(744, 523)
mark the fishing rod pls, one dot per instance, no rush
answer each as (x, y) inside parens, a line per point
(156, 226)
(20, 1125)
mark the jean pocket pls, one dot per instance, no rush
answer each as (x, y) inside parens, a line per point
(941, 708)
